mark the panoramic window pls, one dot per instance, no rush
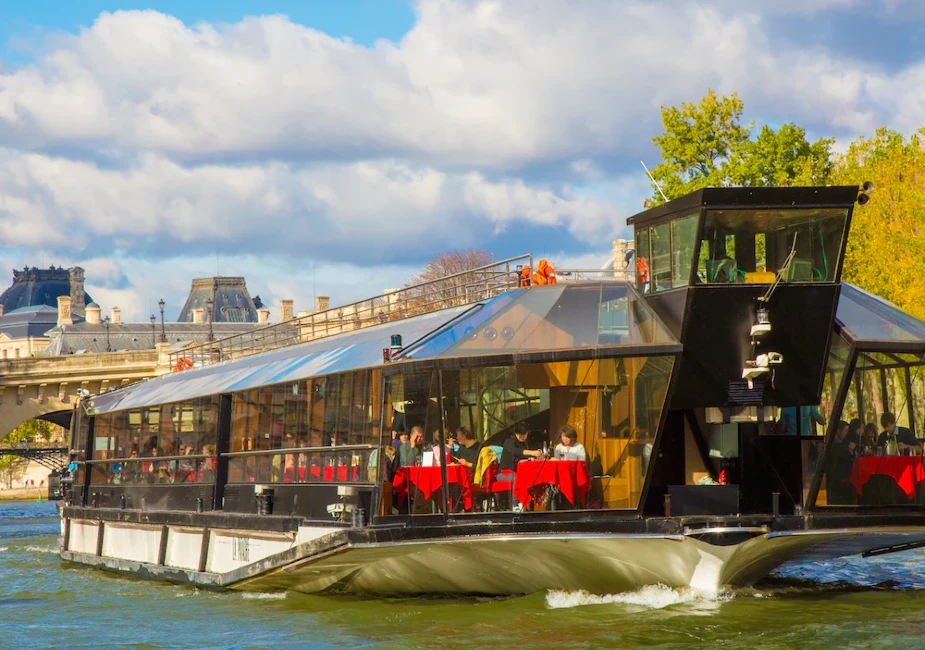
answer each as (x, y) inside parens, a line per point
(751, 246)
(600, 416)
(169, 444)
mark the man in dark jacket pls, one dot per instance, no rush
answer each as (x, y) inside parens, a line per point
(903, 436)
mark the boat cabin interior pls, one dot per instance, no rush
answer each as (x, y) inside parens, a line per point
(711, 385)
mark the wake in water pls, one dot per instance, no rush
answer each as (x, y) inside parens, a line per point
(649, 597)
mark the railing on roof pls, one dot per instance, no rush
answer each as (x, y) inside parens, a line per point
(570, 276)
(465, 288)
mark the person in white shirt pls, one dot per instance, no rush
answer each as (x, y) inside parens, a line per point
(569, 448)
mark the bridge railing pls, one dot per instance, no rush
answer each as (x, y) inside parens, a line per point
(464, 288)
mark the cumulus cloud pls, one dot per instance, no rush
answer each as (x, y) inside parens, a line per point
(358, 211)
(141, 138)
(490, 84)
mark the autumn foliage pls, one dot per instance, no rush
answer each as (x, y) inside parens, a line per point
(704, 144)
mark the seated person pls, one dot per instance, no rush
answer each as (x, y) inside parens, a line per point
(840, 462)
(515, 449)
(870, 436)
(469, 448)
(903, 436)
(412, 452)
(569, 448)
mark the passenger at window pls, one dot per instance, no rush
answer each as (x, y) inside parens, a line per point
(517, 448)
(866, 439)
(809, 415)
(570, 448)
(841, 459)
(871, 434)
(469, 448)
(906, 442)
(412, 452)
(402, 439)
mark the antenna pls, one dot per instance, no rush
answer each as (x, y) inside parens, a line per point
(784, 268)
(654, 182)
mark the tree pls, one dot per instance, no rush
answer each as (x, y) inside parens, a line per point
(442, 291)
(886, 245)
(451, 263)
(12, 468)
(705, 145)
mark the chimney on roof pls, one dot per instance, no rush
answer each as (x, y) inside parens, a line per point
(285, 310)
(116, 315)
(93, 314)
(64, 311)
(263, 316)
(77, 289)
(199, 316)
(322, 303)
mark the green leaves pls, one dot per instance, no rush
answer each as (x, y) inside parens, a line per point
(705, 145)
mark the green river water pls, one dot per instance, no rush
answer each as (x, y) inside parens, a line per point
(851, 603)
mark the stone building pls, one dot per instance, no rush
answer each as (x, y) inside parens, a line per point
(231, 302)
(29, 308)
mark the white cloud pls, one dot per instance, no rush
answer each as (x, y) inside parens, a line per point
(142, 139)
(487, 84)
(354, 211)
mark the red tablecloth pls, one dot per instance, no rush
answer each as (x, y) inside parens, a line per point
(906, 470)
(328, 474)
(428, 480)
(570, 476)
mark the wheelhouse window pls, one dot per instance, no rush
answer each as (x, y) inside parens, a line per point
(752, 245)
(665, 253)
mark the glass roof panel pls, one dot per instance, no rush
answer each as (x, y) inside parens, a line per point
(625, 319)
(870, 318)
(571, 323)
(561, 318)
(457, 331)
(510, 329)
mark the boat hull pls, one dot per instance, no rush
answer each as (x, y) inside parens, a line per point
(350, 561)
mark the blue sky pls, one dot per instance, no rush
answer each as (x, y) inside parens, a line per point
(342, 144)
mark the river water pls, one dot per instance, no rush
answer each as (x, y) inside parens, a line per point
(44, 603)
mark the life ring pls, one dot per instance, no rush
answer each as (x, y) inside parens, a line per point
(183, 364)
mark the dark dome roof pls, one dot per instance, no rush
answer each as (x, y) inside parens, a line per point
(33, 287)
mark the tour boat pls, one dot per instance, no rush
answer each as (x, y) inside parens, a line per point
(704, 382)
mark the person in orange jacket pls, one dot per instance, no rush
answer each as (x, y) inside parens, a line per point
(642, 274)
(525, 275)
(545, 273)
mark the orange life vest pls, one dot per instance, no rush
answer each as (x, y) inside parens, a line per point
(545, 273)
(525, 276)
(183, 364)
(642, 270)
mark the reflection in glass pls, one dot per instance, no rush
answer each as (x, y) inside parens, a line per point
(751, 245)
(683, 243)
(661, 256)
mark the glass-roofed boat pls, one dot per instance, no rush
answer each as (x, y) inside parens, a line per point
(732, 406)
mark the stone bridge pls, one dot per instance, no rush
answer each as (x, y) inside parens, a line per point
(47, 387)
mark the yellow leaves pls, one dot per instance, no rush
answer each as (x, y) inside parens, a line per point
(886, 245)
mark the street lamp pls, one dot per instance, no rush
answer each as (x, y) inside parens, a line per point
(160, 303)
(153, 335)
(209, 305)
(106, 323)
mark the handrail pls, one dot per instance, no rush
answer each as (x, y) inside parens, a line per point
(149, 459)
(297, 450)
(463, 288)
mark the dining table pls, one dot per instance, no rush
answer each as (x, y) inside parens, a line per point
(571, 477)
(428, 480)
